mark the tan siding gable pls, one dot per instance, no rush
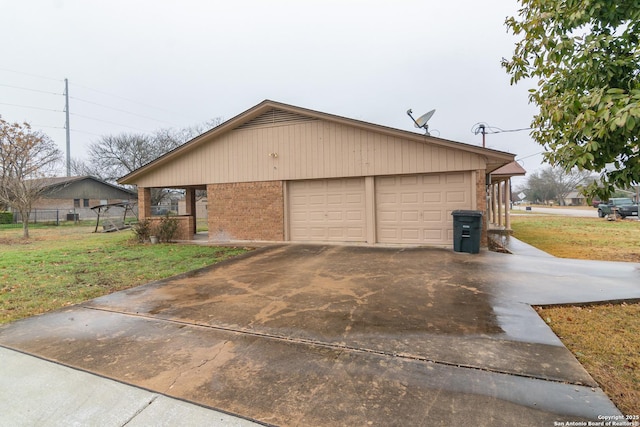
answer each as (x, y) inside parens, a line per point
(305, 150)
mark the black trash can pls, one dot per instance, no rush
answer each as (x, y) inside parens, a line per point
(73, 217)
(467, 229)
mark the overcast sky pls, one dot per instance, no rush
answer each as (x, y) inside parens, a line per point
(136, 66)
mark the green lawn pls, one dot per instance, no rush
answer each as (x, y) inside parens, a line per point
(581, 238)
(69, 264)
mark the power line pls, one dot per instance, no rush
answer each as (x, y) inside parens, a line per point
(63, 128)
(484, 129)
(29, 74)
(84, 100)
(531, 155)
(47, 127)
(106, 121)
(120, 110)
(126, 99)
(29, 106)
(31, 90)
(84, 131)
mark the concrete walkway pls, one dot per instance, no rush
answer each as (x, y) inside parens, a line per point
(35, 392)
(323, 335)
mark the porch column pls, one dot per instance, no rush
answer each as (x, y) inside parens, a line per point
(507, 213)
(490, 203)
(190, 205)
(494, 218)
(500, 201)
(144, 202)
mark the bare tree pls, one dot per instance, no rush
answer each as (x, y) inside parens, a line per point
(80, 168)
(554, 183)
(114, 156)
(26, 157)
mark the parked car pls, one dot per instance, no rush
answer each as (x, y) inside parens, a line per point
(622, 206)
(595, 203)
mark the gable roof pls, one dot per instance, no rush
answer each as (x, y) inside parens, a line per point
(53, 184)
(270, 112)
(511, 169)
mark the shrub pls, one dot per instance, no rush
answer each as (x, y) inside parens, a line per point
(167, 228)
(6, 217)
(142, 230)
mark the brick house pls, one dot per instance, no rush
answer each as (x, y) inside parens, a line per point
(282, 173)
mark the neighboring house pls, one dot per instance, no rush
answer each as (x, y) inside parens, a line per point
(277, 172)
(575, 199)
(78, 194)
(201, 208)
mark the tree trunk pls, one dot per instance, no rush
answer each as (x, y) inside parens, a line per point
(25, 224)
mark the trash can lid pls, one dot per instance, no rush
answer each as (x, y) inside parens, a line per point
(466, 213)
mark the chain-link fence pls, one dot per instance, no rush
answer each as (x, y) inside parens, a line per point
(41, 216)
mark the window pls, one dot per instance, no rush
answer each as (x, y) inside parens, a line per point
(86, 203)
(76, 203)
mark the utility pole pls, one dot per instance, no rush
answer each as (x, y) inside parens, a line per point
(66, 125)
(483, 130)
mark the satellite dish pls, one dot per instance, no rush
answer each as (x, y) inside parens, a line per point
(421, 122)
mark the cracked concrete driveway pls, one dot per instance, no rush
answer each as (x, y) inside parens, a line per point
(333, 335)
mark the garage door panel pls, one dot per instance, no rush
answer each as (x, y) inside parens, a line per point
(387, 198)
(417, 209)
(409, 180)
(456, 197)
(431, 197)
(433, 234)
(335, 216)
(410, 216)
(355, 198)
(410, 234)
(455, 178)
(431, 179)
(387, 216)
(356, 216)
(432, 216)
(409, 197)
(335, 199)
(386, 233)
(327, 210)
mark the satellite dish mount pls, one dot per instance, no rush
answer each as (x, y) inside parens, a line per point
(421, 122)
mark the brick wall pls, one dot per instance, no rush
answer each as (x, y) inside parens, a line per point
(246, 211)
(481, 200)
(185, 226)
(144, 202)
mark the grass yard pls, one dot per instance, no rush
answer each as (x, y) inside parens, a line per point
(604, 338)
(65, 265)
(580, 238)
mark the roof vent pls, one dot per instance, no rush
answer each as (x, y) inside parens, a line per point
(275, 117)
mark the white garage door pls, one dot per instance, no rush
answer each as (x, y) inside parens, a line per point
(327, 210)
(416, 209)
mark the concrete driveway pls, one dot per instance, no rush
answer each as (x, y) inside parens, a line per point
(333, 335)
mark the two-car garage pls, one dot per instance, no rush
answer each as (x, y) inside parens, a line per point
(400, 209)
